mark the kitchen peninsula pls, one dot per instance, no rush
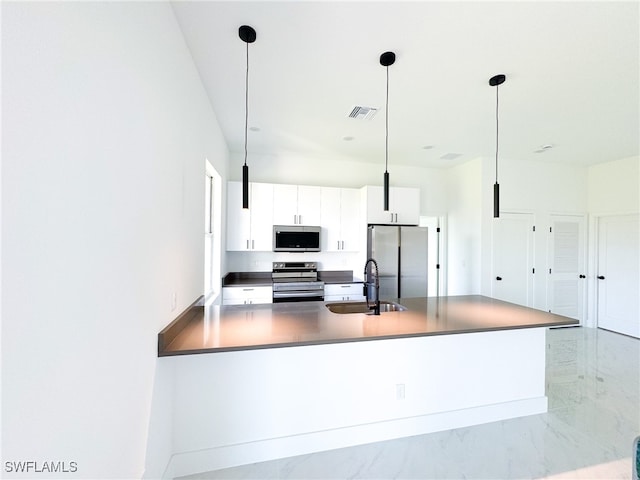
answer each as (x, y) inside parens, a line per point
(259, 382)
(245, 327)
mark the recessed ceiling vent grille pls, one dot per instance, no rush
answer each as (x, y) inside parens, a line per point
(363, 113)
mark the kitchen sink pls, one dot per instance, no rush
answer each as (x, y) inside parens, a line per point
(361, 307)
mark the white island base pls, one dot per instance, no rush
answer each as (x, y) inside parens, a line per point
(241, 407)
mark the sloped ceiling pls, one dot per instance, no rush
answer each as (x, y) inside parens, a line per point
(572, 73)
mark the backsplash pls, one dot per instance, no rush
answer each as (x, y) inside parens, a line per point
(261, 261)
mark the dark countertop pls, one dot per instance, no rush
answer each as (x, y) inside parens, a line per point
(247, 327)
(243, 279)
(338, 276)
(260, 279)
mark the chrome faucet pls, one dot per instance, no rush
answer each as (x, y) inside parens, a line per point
(376, 285)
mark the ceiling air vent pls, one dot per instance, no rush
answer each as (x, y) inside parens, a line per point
(363, 113)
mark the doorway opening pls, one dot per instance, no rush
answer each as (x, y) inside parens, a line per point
(436, 253)
(212, 233)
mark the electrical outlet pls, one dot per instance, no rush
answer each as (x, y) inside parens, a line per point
(174, 301)
(399, 391)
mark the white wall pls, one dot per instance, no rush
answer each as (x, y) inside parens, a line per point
(465, 200)
(106, 127)
(614, 187)
(541, 188)
(344, 172)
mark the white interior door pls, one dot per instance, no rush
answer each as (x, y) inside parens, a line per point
(512, 272)
(567, 276)
(618, 274)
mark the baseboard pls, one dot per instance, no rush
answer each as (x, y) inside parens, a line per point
(216, 458)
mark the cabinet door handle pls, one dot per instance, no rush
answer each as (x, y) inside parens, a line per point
(342, 244)
(392, 218)
(338, 244)
(300, 219)
(247, 244)
(396, 215)
(600, 277)
(247, 289)
(583, 276)
(253, 244)
(498, 278)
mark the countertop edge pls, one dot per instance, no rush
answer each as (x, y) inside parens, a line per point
(164, 352)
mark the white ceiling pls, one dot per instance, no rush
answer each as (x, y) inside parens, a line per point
(572, 78)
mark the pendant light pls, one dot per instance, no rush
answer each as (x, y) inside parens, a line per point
(248, 35)
(495, 81)
(386, 59)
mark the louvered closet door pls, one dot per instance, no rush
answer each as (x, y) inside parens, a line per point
(566, 274)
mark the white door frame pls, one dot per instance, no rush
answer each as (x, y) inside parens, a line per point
(438, 252)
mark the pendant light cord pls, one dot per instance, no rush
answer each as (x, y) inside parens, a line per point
(386, 134)
(246, 106)
(497, 129)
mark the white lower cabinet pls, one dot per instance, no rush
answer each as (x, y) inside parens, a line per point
(340, 292)
(246, 295)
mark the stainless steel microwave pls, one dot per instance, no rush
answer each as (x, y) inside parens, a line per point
(296, 238)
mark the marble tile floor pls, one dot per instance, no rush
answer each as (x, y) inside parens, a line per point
(593, 386)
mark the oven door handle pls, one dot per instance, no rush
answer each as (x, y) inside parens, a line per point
(294, 293)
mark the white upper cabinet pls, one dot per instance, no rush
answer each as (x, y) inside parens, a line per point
(285, 204)
(250, 229)
(340, 219)
(404, 205)
(296, 205)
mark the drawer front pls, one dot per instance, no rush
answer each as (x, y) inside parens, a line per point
(344, 298)
(342, 289)
(247, 301)
(233, 294)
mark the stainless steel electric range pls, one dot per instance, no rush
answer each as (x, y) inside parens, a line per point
(296, 282)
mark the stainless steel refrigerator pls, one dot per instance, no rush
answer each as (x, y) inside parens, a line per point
(401, 254)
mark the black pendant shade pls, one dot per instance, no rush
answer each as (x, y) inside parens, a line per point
(495, 81)
(386, 191)
(245, 186)
(248, 35)
(386, 59)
